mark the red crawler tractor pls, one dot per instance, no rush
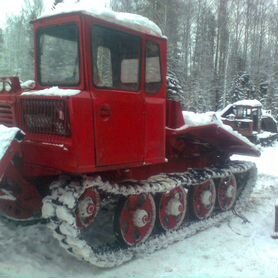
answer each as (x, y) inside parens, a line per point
(106, 157)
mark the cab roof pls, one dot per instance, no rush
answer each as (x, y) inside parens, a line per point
(131, 21)
(248, 102)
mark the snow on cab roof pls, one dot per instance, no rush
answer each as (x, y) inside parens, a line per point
(248, 102)
(132, 21)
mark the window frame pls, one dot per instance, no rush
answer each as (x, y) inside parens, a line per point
(157, 90)
(38, 56)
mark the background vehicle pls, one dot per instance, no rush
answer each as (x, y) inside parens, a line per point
(117, 164)
(249, 119)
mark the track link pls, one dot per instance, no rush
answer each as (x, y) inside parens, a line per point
(60, 208)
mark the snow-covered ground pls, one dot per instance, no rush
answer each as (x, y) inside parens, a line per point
(7, 135)
(232, 249)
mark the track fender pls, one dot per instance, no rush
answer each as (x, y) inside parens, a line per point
(222, 137)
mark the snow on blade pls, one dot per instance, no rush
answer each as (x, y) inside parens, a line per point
(192, 119)
(53, 91)
(7, 135)
(199, 119)
(132, 21)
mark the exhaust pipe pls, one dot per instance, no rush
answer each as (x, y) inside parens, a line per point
(275, 234)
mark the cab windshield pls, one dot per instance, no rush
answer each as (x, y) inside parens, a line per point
(58, 55)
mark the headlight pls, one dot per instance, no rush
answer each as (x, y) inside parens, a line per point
(8, 86)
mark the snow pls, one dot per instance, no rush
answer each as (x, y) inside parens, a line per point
(132, 21)
(199, 119)
(237, 120)
(6, 137)
(53, 91)
(28, 84)
(192, 119)
(248, 102)
(7, 195)
(265, 134)
(267, 114)
(223, 111)
(267, 163)
(233, 249)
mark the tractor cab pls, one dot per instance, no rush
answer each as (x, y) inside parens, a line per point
(244, 117)
(250, 112)
(100, 95)
(247, 117)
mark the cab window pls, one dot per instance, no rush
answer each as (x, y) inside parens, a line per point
(153, 68)
(116, 59)
(58, 55)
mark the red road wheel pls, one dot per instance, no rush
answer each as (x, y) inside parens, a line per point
(87, 208)
(227, 192)
(204, 196)
(172, 208)
(136, 219)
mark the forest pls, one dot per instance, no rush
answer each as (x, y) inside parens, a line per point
(220, 50)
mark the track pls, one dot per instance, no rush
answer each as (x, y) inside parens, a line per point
(98, 245)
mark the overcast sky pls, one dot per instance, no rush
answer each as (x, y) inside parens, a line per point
(13, 7)
(8, 8)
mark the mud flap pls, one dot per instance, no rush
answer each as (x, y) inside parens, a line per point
(19, 199)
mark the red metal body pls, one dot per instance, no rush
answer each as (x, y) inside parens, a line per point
(120, 133)
(116, 129)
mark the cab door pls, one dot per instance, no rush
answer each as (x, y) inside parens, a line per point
(155, 69)
(118, 102)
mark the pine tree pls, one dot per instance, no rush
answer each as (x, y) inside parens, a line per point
(242, 88)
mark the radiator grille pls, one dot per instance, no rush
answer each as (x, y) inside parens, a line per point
(7, 115)
(41, 116)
